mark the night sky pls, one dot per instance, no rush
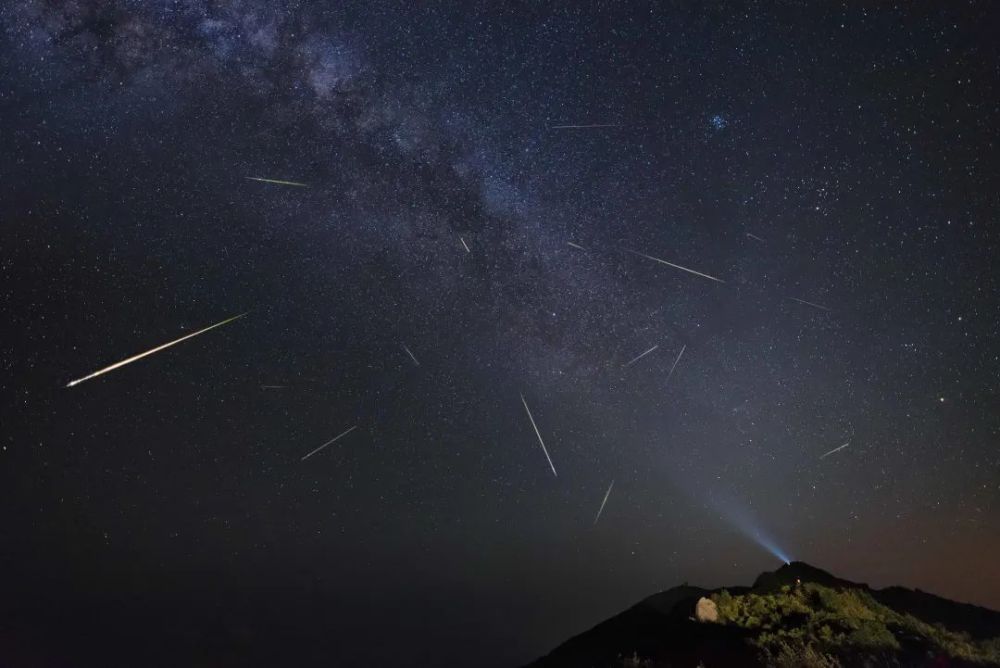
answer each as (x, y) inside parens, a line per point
(454, 247)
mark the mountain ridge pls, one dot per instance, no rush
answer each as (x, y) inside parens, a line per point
(796, 615)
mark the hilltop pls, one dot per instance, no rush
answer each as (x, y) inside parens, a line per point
(796, 616)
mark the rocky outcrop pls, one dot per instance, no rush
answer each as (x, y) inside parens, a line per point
(705, 610)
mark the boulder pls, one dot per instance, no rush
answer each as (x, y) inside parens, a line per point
(705, 610)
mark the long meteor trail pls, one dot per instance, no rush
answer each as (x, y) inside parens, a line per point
(278, 181)
(677, 266)
(606, 495)
(674, 365)
(539, 435)
(803, 301)
(636, 359)
(150, 352)
(837, 449)
(330, 442)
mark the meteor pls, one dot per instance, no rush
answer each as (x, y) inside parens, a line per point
(636, 359)
(465, 244)
(585, 127)
(676, 266)
(754, 236)
(150, 352)
(278, 181)
(837, 449)
(410, 354)
(803, 301)
(539, 435)
(330, 442)
(601, 509)
(674, 365)
(273, 387)
(576, 246)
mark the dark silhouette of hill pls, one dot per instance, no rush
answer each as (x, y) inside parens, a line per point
(797, 615)
(978, 622)
(640, 630)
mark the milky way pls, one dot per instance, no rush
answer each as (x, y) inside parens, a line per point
(496, 193)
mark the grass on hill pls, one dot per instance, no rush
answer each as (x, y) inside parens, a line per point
(813, 625)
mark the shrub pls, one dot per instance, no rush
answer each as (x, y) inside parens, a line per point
(635, 661)
(872, 636)
(810, 624)
(797, 655)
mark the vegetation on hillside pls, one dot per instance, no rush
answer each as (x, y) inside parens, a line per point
(817, 626)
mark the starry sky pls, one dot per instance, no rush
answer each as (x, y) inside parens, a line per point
(490, 194)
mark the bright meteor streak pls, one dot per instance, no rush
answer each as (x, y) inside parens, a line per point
(330, 442)
(606, 495)
(278, 181)
(803, 301)
(150, 352)
(837, 449)
(539, 435)
(636, 359)
(674, 365)
(677, 266)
